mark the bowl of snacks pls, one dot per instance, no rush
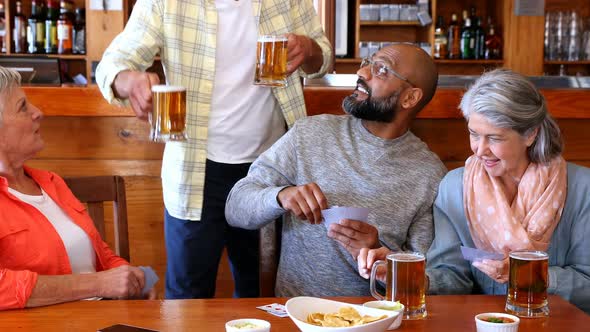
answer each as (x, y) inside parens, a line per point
(391, 306)
(312, 314)
(496, 322)
(247, 325)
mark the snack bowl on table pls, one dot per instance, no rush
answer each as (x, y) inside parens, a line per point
(247, 325)
(496, 322)
(391, 306)
(300, 308)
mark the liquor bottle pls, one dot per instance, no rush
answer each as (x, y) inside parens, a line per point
(454, 40)
(36, 28)
(79, 46)
(493, 43)
(51, 27)
(440, 40)
(467, 41)
(480, 40)
(19, 34)
(65, 28)
(2, 28)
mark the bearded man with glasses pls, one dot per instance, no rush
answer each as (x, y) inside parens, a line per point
(367, 158)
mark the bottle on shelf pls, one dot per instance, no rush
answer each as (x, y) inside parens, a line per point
(2, 28)
(79, 45)
(36, 28)
(467, 41)
(51, 27)
(65, 27)
(493, 43)
(19, 34)
(480, 40)
(440, 40)
(454, 40)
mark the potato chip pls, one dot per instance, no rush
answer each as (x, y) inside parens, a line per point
(346, 316)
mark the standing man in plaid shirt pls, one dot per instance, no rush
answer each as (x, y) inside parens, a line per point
(209, 47)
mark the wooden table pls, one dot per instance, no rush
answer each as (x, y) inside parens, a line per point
(445, 313)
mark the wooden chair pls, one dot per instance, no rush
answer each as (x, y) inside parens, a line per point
(96, 190)
(270, 250)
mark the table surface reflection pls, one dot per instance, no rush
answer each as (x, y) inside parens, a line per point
(445, 313)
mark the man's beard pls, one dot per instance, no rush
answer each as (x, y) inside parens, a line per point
(372, 109)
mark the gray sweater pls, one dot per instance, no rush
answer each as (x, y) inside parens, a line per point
(396, 179)
(569, 249)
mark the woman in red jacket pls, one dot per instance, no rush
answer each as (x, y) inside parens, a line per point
(50, 251)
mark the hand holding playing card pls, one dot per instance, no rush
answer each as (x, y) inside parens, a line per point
(151, 278)
(495, 269)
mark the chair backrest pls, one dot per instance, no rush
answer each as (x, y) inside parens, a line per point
(96, 190)
(270, 251)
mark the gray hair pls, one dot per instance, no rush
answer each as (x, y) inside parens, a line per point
(509, 100)
(9, 78)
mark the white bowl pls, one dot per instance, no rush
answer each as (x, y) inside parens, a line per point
(381, 304)
(299, 307)
(261, 325)
(485, 326)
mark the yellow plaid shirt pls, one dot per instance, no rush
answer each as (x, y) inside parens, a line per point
(183, 32)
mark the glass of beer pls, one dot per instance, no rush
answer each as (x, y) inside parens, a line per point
(271, 61)
(405, 282)
(168, 117)
(527, 284)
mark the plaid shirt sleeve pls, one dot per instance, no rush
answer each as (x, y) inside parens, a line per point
(133, 49)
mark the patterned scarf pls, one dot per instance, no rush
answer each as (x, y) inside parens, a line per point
(528, 222)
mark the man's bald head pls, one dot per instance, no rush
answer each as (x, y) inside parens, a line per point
(415, 65)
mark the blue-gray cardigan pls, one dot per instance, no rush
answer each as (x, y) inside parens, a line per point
(569, 250)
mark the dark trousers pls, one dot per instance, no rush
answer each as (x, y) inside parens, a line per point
(194, 248)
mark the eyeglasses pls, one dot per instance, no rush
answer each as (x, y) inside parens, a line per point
(380, 69)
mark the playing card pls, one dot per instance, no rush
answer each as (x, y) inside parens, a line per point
(338, 213)
(275, 309)
(150, 279)
(473, 254)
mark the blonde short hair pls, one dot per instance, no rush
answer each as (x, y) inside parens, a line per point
(9, 78)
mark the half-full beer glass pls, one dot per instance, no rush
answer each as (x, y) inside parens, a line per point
(405, 282)
(527, 284)
(271, 61)
(168, 117)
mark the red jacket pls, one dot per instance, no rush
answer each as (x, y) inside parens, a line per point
(30, 246)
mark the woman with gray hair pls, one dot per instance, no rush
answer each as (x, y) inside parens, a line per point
(515, 192)
(50, 251)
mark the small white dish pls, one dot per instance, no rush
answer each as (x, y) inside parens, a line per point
(387, 306)
(298, 308)
(247, 325)
(483, 325)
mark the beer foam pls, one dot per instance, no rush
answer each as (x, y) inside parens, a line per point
(167, 88)
(268, 38)
(529, 255)
(406, 257)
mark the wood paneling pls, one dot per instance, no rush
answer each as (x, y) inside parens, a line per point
(563, 104)
(523, 41)
(118, 138)
(73, 102)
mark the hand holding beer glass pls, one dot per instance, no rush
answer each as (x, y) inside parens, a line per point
(271, 61)
(405, 282)
(168, 116)
(528, 283)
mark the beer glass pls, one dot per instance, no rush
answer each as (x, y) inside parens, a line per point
(271, 61)
(527, 284)
(405, 282)
(168, 117)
